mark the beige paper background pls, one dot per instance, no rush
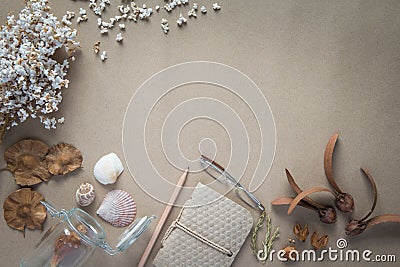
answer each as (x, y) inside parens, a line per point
(324, 66)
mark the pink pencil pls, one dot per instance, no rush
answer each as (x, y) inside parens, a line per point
(163, 219)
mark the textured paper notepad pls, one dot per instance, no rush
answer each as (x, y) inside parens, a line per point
(205, 235)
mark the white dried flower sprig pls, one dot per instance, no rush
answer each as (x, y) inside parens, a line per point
(82, 16)
(103, 55)
(192, 13)
(119, 37)
(30, 79)
(216, 6)
(181, 20)
(164, 25)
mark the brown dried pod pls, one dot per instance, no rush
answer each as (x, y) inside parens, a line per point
(320, 242)
(26, 160)
(343, 201)
(300, 232)
(63, 158)
(356, 227)
(327, 214)
(22, 208)
(289, 252)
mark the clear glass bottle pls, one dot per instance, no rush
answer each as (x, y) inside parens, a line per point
(73, 239)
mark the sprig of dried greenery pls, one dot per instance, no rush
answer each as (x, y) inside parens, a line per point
(269, 239)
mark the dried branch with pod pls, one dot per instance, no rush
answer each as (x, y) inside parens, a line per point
(32, 161)
(343, 201)
(327, 214)
(22, 209)
(356, 227)
(318, 242)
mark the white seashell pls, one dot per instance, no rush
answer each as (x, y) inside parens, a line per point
(118, 208)
(108, 168)
(85, 194)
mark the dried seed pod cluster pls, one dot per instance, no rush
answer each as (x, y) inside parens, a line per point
(343, 201)
(301, 233)
(32, 161)
(31, 80)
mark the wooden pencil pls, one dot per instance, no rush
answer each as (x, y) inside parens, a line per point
(163, 219)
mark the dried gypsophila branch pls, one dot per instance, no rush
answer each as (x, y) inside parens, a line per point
(30, 80)
(356, 227)
(343, 201)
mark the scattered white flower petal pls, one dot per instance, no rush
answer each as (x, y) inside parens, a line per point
(119, 37)
(216, 6)
(103, 55)
(181, 20)
(164, 25)
(192, 13)
(82, 11)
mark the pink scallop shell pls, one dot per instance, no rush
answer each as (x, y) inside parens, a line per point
(118, 208)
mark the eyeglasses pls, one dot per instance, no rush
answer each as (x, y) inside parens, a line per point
(218, 172)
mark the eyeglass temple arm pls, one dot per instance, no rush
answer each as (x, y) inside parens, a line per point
(233, 180)
(211, 162)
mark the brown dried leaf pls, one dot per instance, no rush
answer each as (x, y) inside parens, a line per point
(318, 243)
(328, 161)
(300, 232)
(26, 160)
(63, 158)
(22, 208)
